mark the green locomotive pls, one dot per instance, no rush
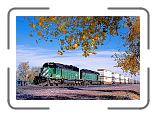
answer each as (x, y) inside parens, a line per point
(56, 73)
(89, 76)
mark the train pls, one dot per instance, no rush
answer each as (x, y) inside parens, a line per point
(60, 74)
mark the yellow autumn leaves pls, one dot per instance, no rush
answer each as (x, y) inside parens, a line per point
(75, 46)
(33, 25)
(75, 30)
(87, 33)
(129, 63)
(59, 52)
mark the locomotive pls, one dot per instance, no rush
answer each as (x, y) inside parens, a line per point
(56, 73)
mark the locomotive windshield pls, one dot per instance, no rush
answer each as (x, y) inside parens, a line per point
(51, 65)
(45, 65)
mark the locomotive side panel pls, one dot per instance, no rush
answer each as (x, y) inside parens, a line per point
(88, 75)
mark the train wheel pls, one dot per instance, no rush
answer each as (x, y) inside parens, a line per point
(62, 81)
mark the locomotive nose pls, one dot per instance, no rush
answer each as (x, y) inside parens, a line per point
(44, 73)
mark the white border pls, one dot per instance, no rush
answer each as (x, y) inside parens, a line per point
(81, 104)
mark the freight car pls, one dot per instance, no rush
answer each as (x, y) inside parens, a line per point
(122, 81)
(106, 76)
(117, 78)
(126, 80)
(109, 77)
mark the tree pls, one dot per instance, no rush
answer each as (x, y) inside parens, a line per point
(88, 33)
(74, 32)
(25, 73)
(22, 71)
(33, 72)
(130, 60)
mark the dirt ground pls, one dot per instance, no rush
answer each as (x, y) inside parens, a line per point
(94, 92)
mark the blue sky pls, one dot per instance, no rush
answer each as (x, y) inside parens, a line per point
(36, 54)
